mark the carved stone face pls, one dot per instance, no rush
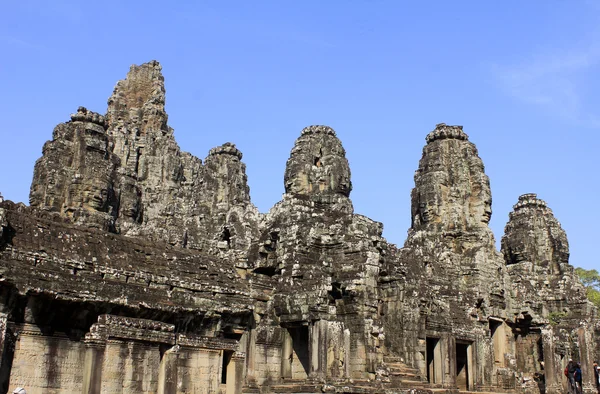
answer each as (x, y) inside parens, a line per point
(481, 196)
(130, 202)
(317, 164)
(96, 195)
(344, 185)
(451, 188)
(487, 212)
(424, 212)
(131, 210)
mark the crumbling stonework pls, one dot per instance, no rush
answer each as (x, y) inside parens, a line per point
(139, 268)
(75, 174)
(549, 299)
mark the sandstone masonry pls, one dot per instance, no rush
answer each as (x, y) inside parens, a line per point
(139, 268)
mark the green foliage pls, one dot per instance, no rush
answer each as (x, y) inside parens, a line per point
(591, 281)
(556, 317)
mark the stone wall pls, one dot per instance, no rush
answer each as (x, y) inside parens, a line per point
(47, 364)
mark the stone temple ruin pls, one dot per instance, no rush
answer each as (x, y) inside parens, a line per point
(139, 268)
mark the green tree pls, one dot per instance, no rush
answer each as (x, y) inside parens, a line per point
(591, 281)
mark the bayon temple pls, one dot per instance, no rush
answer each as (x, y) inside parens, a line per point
(139, 268)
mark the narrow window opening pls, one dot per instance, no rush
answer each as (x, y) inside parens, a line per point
(226, 236)
(336, 293)
(137, 160)
(185, 239)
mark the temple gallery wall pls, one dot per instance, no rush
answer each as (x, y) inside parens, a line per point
(139, 268)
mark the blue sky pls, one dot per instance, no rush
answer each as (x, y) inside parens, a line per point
(520, 76)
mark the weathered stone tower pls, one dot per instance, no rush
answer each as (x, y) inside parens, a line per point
(138, 268)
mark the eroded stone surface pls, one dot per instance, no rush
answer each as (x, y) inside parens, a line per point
(126, 172)
(140, 267)
(452, 192)
(75, 175)
(317, 164)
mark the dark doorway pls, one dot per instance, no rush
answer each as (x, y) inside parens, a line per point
(226, 360)
(462, 366)
(434, 372)
(301, 360)
(540, 351)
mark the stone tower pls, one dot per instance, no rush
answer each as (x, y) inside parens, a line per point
(452, 192)
(324, 261)
(135, 180)
(545, 289)
(141, 267)
(75, 175)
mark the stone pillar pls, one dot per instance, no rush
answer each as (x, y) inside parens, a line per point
(250, 355)
(421, 357)
(586, 356)
(7, 340)
(448, 350)
(235, 374)
(167, 373)
(286, 354)
(471, 367)
(3, 324)
(485, 364)
(317, 350)
(92, 374)
(552, 374)
(347, 354)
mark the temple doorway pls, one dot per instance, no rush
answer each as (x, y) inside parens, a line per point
(498, 334)
(464, 378)
(295, 362)
(434, 360)
(226, 361)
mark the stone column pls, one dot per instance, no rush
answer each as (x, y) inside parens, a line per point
(235, 374)
(484, 363)
(586, 356)
(250, 355)
(92, 375)
(6, 351)
(167, 373)
(471, 371)
(448, 347)
(286, 354)
(421, 357)
(347, 354)
(317, 350)
(552, 374)
(3, 324)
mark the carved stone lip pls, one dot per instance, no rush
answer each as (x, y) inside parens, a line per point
(487, 216)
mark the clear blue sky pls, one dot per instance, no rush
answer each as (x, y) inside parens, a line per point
(521, 76)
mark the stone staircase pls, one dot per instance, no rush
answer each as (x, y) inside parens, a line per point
(403, 379)
(404, 376)
(358, 387)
